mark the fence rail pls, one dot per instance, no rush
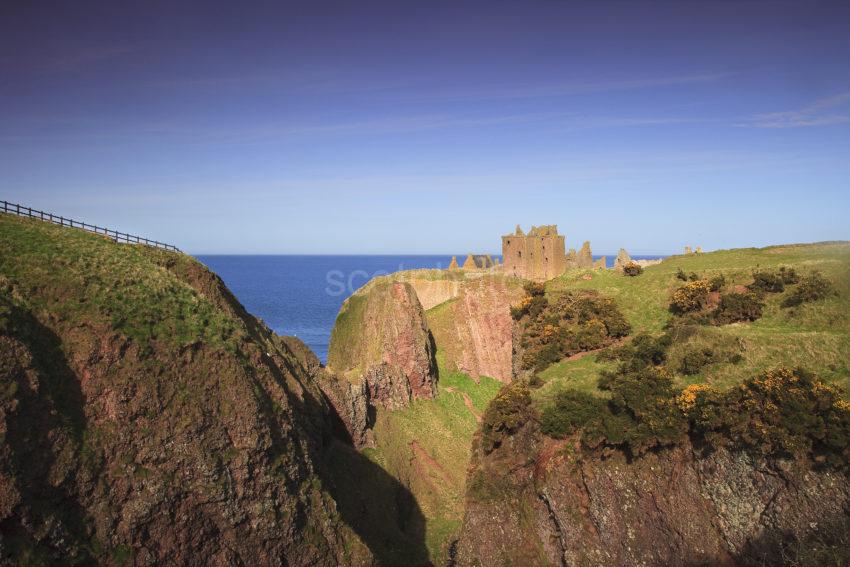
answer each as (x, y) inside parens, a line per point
(20, 210)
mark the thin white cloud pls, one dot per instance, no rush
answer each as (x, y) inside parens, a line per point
(563, 88)
(822, 112)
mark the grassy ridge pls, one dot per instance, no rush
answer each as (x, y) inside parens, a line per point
(77, 275)
(815, 336)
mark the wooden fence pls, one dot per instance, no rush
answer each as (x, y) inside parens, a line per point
(15, 209)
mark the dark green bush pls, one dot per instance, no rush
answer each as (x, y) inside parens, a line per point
(572, 410)
(693, 276)
(767, 281)
(717, 282)
(632, 269)
(641, 413)
(681, 275)
(509, 410)
(695, 359)
(788, 275)
(735, 307)
(782, 412)
(575, 322)
(813, 287)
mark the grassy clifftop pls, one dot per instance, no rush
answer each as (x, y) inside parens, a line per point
(814, 335)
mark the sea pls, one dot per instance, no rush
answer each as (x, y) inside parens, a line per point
(301, 295)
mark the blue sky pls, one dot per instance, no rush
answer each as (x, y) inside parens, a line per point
(433, 127)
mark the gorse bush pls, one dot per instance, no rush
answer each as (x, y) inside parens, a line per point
(690, 297)
(768, 281)
(533, 302)
(572, 410)
(788, 275)
(782, 412)
(693, 360)
(717, 282)
(813, 287)
(509, 410)
(736, 307)
(573, 323)
(632, 269)
(681, 275)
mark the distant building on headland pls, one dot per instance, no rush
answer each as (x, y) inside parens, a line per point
(538, 255)
(478, 262)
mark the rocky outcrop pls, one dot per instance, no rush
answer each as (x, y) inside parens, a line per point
(536, 501)
(601, 263)
(161, 449)
(381, 338)
(474, 331)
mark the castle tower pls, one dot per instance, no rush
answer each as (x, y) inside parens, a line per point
(539, 255)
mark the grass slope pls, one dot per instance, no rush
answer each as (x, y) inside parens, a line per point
(427, 446)
(814, 336)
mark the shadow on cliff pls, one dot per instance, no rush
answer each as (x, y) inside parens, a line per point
(47, 422)
(374, 504)
(381, 510)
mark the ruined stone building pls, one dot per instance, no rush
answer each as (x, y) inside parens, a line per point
(478, 262)
(539, 255)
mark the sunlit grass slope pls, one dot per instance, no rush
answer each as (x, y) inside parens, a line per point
(427, 446)
(815, 336)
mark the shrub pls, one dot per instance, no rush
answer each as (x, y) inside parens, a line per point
(632, 269)
(813, 287)
(575, 322)
(641, 413)
(690, 297)
(788, 275)
(735, 307)
(781, 412)
(508, 411)
(572, 410)
(767, 281)
(694, 359)
(717, 282)
(693, 276)
(681, 275)
(533, 303)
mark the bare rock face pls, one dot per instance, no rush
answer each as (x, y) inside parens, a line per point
(474, 332)
(434, 292)
(536, 501)
(381, 337)
(600, 264)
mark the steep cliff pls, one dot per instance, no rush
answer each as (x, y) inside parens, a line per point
(536, 501)
(381, 338)
(473, 332)
(146, 417)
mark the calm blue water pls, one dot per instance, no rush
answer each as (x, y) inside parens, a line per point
(301, 295)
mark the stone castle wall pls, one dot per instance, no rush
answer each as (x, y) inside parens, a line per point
(538, 255)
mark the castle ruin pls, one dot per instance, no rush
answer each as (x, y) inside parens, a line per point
(539, 255)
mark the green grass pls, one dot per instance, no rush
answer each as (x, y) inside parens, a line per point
(815, 336)
(443, 427)
(79, 276)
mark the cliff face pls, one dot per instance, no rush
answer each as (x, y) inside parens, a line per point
(474, 331)
(146, 417)
(536, 501)
(381, 338)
